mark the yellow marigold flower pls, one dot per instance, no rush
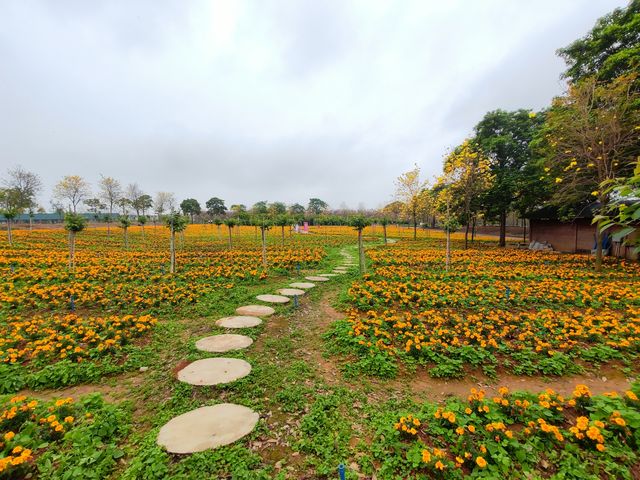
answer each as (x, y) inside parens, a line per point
(9, 435)
(600, 447)
(426, 456)
(439, 465)
(630, 395)
(481, 462)
(69, 419)
(558, 180)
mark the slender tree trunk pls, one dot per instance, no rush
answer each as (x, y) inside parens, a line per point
(473, 230)
(219, 234)
(598, 248)
(415, 226)
(30, 223)
(142, 226)
(384, 233)
(466, 236)
(524, 230)
(230, 239)
(9, 232)
(363, 265)
(72, 250)
(264, 247)
(282, 226)
(126, 238)
(503, 228)
(172, 249)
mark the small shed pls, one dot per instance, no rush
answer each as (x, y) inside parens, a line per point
(575, 235)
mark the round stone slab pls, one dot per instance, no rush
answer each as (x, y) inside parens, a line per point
(223, 343)
(207, 427)
(255, 310)
(317, 279)
(328, 274)
(213, 371)
(241, 321)
(291, 292)
(273, 298)
(305, 285)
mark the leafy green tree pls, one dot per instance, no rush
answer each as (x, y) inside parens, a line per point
(95, 206)
(264, 224)
(277, 208)
(191, 207)
(73, 223)
(610, 49)
(216, 207)
(317, 206)
(296, 210)
(230, 223)
(10, 208)
(73, 189)
(260, 208)
(25, 187)
(504, 137)
(142, 204)
(360, 223)
(175, 223)
(142, 221)
(384, 221)
(282, 221)
(125, 223)
(238, 209)
(218, 222)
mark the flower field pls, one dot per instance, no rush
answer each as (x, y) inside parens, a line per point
(531, 312)
(514, 435)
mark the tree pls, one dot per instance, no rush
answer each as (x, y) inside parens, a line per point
(10, 208)
(444, 197)
(73, 223)
(277, 208)
(384, 221)
(142, 220)
(133, 194)
(25, 187)
(264, 224)
(125, 223)
(217, 221)
(624, 210)
(164, 202)
(360, 223)
(393, 211)
(191, 207)
(260, 208)
(408, 190)
(317, 206)
(467, 171)
(609, 50)
(238, 209)
(592, 139)
(73, 189)
(143, 203)
(282, 221)
(95, 206)
(176, 223)
(230, 223)
(296, 210)
(504, 138)
(215, 207)
(110, 193)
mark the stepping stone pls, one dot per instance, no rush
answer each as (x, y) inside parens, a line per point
(223, 343)
(255, 310)
(207, 427)
(291, 292)
(213, 371)
(328, 274)
(317, 279)
(302, 285)
(240, 321)
(273, 298)
(339, 272)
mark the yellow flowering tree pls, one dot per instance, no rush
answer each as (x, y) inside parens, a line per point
(409, 190)
(591, 138)
(468, 173)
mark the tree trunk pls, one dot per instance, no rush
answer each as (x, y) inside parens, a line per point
(126, 238)
(72, 250)
(384, 233)
(230, 239)
(9, 232)
(466, 236)
(524, 230)
(264, 247)
(448, 259)
(142, 226)
(473, 230)
(219, 234)
(415, 227)
(503, 229)
(172, 249)
(363, 265)
(282, 226)
(598, 248)
(30, 223)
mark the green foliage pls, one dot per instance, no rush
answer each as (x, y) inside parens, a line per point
(74, 223)
(191, 207)
(610, 49)
(215, 206)
(360, 222)
(176, 222)
(317, 206)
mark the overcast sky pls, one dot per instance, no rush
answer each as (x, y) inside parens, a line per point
(268, 100)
